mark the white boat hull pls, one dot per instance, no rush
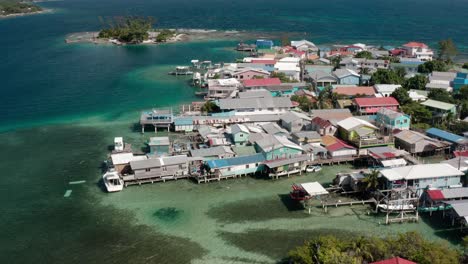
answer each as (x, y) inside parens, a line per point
(112, 181)
(396, 208)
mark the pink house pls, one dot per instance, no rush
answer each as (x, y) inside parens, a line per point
(369, 106)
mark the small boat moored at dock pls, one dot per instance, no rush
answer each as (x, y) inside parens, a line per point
(112, 181)
(181, 70)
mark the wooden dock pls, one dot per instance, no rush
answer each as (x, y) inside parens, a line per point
(350, 203)
(332, 161)
(209, 178)
(131, 180)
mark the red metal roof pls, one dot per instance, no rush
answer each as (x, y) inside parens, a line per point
(322, 123)
(435, 195)
(351, 91)
(395, 260)
(414, 44)
(338, 145)
(377, 101)
(396, 52)
(260, 61)
(463, 153)
(262, 82)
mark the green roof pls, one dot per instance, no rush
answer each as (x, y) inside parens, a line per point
(438, 105)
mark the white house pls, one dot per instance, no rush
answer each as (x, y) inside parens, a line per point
(418, 50)
(222, 88)
(421, 176)
(386, 89)
(290, 67)
(304, 45)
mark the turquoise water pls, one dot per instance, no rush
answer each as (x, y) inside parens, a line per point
(61, 105)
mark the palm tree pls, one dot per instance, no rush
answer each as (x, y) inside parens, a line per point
(371, 180)
(361, 248)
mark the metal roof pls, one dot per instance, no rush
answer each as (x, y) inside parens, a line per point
(307, 134)
(314, 188)
(293, 116)
(377, 101)
(270, 142)
(447, 136)
(354, 123)
(255, 103)
(421, 171)
(158, 141)
(262, 82)
(221, 163)
(438, 104)
(214, 151)
(237, 128)
(125, 158)
(460, 207)
(273, 129)
(158, 162)
(285, 161)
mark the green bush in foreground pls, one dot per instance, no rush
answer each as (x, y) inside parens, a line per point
(411, 246)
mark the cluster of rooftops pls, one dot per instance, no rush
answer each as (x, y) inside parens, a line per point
(259, 129)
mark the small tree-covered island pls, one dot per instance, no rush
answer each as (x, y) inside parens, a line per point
(15, 7)
(135, 30)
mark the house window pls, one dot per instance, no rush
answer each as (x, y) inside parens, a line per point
(247, 166)
(241, 135)
(181, 166)
(405, 121)
(229, 169)
(147, 170)
(398, 122)
(256, 164)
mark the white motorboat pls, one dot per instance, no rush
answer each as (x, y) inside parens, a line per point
(313, 169)
(396, 208)
(112, 181)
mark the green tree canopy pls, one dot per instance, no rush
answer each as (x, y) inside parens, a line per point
(401, 95)
(210, 107)
(447, 50)
(441, 95)
(364, 54)
(430, 66)
(418, 82)
(128, 29)
(282, 76)
(304, 103)
(371, 180)
(359, 249)
(418, 113)
(383, 76)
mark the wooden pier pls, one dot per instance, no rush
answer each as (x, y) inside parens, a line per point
(132, 180)
(332, 161)
(350, 203)
(211, 177)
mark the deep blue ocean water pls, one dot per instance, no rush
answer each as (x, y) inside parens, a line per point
(46, 86)
(43, 79)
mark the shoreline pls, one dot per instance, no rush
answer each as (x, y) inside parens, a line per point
(181, 35)
(43, 11)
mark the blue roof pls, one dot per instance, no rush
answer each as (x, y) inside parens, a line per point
(444, 135)
(220, 163)
(183, 121)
